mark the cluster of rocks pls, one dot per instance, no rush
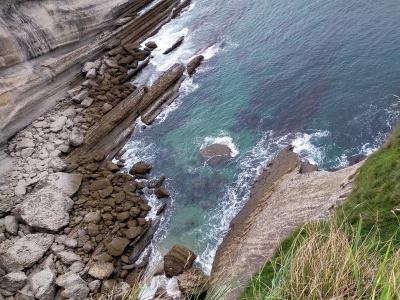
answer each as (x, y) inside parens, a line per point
(76, 226)
(54, 240)
(185, 280)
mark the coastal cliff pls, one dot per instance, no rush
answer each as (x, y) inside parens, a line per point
(38, 68)
(74, 219)
(286, 195)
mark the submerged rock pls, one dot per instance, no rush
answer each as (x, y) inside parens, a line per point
(216, 153)
(177, 260)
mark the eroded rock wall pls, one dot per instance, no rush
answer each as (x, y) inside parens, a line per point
(29, 29)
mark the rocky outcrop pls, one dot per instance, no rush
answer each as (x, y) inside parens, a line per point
(282, 199)
(216, 153)
(175, 45)
(193, 64)
(60, 175)
(31, 88)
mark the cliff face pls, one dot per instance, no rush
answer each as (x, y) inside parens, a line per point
(43, 45)
(29, 29)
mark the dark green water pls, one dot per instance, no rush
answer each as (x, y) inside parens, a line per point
(322, 75)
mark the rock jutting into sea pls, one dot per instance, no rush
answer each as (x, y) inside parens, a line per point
(287, 194)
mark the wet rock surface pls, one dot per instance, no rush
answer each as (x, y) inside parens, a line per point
(216, 153)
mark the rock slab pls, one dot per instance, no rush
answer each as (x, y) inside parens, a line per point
(17, 254)
(45, 209)
(177, 260)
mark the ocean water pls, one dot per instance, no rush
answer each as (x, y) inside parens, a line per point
(321, 75)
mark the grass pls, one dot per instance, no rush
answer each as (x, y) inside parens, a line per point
(353, 256)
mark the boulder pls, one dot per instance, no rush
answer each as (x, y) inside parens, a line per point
(133, 232)
(46, 209)
(177, 260)
(94, 285)
(11, 224)
(24, 294)
(57, 164)
(111, 166)
(92, 217)
(175, 45)
(193, 283)
(87, 102)
(91, 74)
(67, 257)
(100, 184)
(193, 64)
(151, 45)
(101, 270)
(78, 98)
(43, 284)
(140, 168)
(74, 286)
(216, 153)
(22, 253)
(24, 143)
(58, 124)
(161, 192)
(12, 282)
(106, 107)
(75, 139)
(116, 246)
(68, 183)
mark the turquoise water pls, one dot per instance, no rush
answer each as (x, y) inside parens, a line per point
(322, 75)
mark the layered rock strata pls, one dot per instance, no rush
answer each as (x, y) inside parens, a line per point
(32, 87)
(74, 224)
(283, 199)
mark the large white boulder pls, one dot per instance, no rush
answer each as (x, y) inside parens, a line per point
(46, 209)
(21, 253)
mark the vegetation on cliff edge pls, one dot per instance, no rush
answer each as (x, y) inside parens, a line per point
(353, 256)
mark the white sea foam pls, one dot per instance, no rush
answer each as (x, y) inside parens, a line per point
(224, 140)
(237, 194)
(304, 145)
(211, 51)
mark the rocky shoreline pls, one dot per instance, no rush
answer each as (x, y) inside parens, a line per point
(288, 193)
(72, 224)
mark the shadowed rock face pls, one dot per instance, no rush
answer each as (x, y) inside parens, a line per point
(43, 45)
(29, 29)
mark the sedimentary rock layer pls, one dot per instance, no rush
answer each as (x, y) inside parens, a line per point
(29, 89)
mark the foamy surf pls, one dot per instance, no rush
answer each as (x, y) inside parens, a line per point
(304, 146)
(236, 195)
